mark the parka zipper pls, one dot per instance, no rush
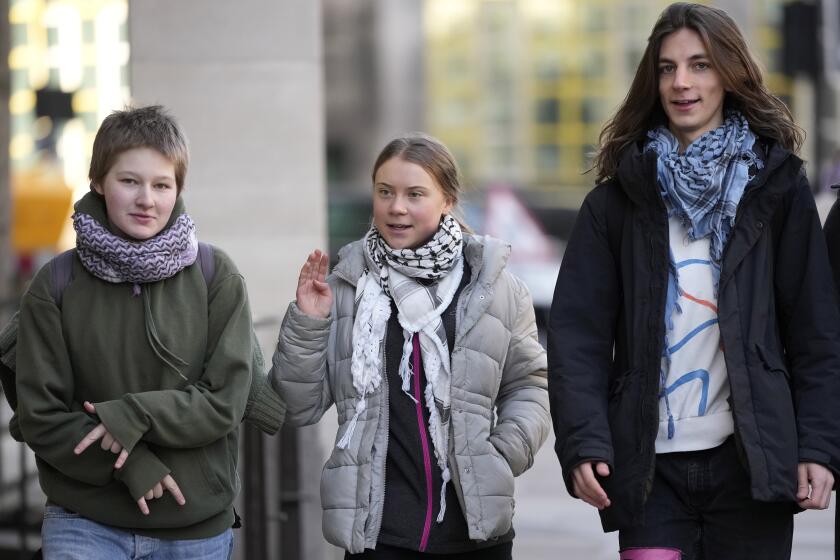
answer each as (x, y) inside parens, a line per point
(658, 343)
(386, 414)
(424, 443)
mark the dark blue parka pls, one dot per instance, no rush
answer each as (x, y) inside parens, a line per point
(779, 325)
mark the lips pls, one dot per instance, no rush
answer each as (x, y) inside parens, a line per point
(142, 218)
(684, 104)
(399, 227)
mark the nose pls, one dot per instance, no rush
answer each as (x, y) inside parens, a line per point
(397, 205)
(681, 78)
(144, 197)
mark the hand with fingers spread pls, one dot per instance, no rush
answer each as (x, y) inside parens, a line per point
(586, 486)
(814, 486)
(166, 484)
(314, 296)
(109, 442)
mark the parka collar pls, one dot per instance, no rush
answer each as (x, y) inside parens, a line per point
(636, 169)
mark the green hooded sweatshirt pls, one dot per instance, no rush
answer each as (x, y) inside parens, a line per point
(106, 345)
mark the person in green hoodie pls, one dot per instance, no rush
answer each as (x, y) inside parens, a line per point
(131, 391)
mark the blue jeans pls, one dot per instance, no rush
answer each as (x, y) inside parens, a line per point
(69, 536)
(700, 505)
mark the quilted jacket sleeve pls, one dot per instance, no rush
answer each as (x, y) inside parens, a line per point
(299, 366)
(522, 405)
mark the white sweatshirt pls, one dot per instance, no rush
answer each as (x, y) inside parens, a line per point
(694, 412)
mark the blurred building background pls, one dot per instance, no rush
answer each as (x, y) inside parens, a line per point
(286, 106)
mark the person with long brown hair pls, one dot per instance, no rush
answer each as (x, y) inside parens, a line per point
(428, 347)
(694, 363)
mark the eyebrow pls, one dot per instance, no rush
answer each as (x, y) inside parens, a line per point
(384, 184)
(135, 174)
(692, 57)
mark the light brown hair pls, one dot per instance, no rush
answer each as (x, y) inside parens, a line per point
(144, 127)
(434, 157)
(742, 79)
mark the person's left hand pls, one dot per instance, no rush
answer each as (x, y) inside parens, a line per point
(109, 442)
(815, 484)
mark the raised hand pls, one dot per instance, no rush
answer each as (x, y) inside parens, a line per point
(109, 442)
(314, 296)
(166, 484)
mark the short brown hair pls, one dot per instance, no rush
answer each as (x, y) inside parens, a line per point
(144, 127)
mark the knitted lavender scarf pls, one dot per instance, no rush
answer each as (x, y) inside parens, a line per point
(114, 259)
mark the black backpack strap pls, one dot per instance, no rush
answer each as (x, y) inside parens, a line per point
(62, 272)
(207, 262)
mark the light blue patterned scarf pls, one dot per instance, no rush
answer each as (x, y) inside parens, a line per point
(703, 186)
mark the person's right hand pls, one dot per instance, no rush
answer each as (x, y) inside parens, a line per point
(314, 296)
(168, 483)
(586, 486)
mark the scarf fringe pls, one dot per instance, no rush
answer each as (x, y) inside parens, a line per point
(446, 476)
(406, 368)
(361, 405)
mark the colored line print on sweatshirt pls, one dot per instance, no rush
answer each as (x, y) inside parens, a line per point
(700, 375)
(697, 330)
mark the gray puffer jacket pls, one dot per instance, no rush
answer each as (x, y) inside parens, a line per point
(500, 412)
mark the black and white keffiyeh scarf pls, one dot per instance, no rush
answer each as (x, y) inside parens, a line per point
(395, 274)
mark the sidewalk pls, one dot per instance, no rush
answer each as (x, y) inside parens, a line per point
(552, 526)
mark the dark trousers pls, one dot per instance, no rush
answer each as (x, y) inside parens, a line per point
(701, 504)
(384, 552)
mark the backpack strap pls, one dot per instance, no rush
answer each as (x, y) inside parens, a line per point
(62, 272)
(207, 262)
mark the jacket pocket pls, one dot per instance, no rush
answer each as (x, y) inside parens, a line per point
(771, 361)
(624, 412)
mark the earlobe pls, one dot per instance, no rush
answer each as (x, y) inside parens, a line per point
(96, 187)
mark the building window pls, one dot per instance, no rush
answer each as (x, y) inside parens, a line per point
(548, 111)
(548, 158)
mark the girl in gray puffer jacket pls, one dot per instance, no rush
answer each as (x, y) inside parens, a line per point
(429, 350)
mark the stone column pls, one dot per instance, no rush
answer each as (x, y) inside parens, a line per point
(6, 261)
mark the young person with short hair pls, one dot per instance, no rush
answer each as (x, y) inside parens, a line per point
(130, 393)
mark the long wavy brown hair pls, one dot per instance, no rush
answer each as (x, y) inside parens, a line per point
(742, 78)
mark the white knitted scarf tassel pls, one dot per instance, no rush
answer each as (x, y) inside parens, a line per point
(368, 332)
(406, 367)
